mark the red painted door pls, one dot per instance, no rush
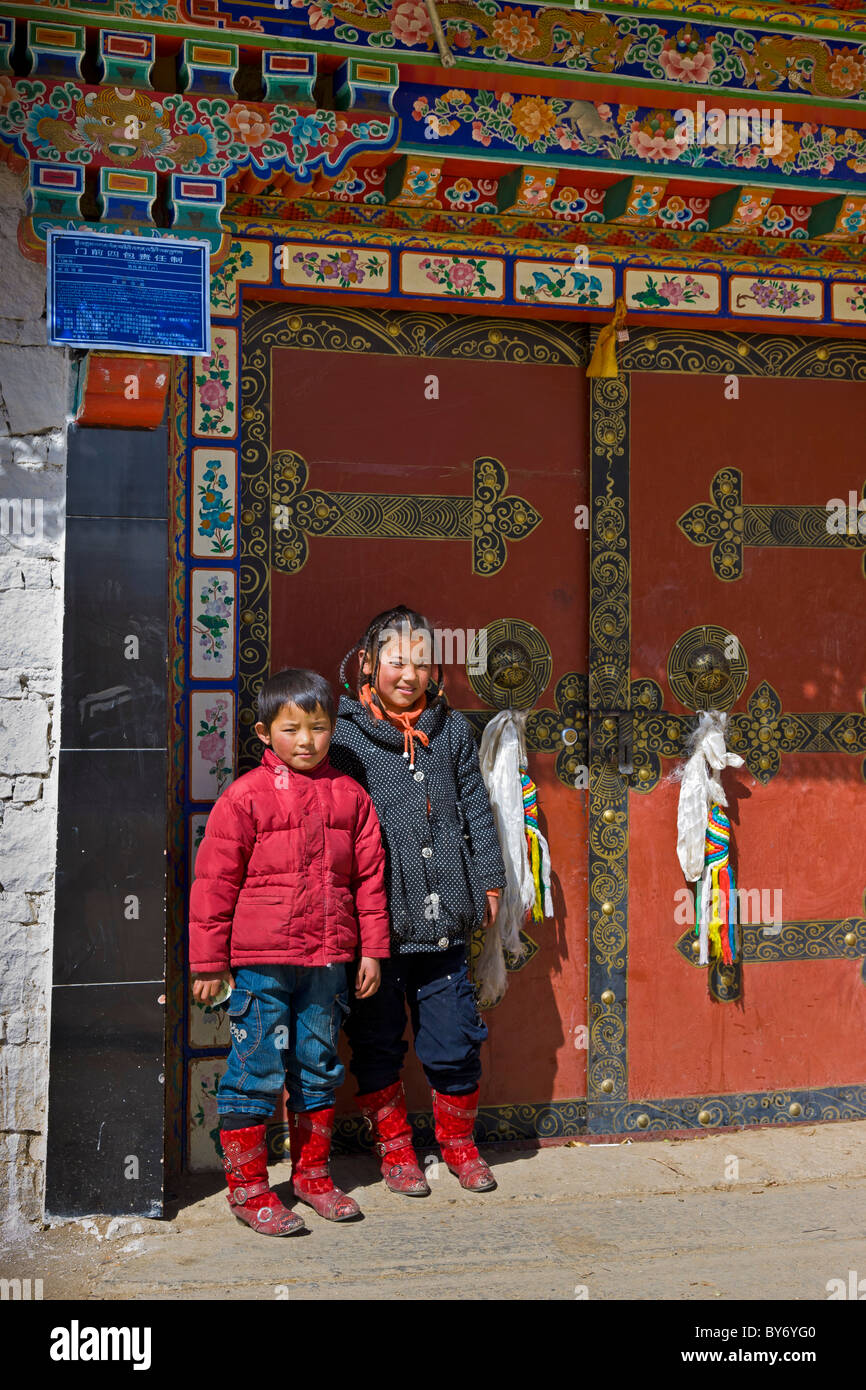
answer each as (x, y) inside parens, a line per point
(728, 507)
(451, 485)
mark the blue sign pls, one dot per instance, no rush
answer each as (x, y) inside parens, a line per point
(129, 293)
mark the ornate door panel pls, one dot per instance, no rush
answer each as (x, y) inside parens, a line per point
(438, 462)
(711, 508)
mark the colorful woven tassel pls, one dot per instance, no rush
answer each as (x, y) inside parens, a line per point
(537, 847)
(715, 926)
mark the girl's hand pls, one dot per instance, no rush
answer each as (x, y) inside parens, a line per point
(492, 910)
(368, 978)
(206, 986)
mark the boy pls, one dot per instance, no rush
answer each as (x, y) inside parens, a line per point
(289, 877)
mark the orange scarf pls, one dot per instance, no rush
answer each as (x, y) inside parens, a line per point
(403, 719)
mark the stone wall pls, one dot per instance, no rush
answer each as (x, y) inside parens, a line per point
(33, 419)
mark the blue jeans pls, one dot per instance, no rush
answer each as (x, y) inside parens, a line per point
(285, 1021)
(445, 1021)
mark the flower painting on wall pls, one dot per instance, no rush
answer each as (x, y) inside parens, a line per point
(214, 503)
(216, 387)
(211, 718)
(212, 643)
(454, 277)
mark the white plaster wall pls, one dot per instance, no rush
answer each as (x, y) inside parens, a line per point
(33, 417)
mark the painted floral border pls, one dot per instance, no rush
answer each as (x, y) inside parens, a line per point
(703, 43)
(774, 296)
(337, 268)
(81, 124)
(611, 133)
(215, 381)
(672, 291)
(453, 277)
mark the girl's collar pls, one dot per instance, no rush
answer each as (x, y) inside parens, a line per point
(405, 720)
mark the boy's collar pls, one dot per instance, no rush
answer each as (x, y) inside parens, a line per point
(270, 760)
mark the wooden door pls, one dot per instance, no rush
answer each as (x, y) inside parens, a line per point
(438, 462)
(715, 463)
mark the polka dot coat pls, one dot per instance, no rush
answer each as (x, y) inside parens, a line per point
(438, 864)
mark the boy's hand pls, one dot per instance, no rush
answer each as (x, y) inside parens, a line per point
(492, 910)
(206, 986)
(368, 978)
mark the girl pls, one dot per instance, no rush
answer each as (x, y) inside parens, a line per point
(417, 759)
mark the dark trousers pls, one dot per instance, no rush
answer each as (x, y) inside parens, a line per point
(445, 1021)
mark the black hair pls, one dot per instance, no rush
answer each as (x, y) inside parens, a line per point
(378, 632)
(295, 686)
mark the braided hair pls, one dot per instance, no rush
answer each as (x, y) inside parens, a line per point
(378, 632)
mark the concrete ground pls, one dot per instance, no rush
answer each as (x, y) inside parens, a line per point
(765, 1215)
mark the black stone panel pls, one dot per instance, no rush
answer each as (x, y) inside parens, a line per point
(117, 472)
(105, 1101)
(110, 847)
(116, 590)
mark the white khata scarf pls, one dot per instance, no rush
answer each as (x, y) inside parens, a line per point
(503, 767)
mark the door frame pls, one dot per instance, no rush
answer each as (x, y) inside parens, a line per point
(613, 691)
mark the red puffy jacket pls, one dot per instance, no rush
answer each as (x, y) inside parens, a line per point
(290, 872)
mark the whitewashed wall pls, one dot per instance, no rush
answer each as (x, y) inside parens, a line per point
(33, 414)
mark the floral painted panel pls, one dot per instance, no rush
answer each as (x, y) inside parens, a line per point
(212, 753)
(212, 626)
(766, 296)
(721, 45)
(849, 302)
(452, 277)
(185, 131)
(197, 823)
(247, 261)
(335, 267)
(203, 1078)
(208, 1027)
(672, 291)
(602, 134)
(562, 282)
(215, 399)
(214, 503)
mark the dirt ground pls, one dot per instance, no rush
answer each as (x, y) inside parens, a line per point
(758, 1215)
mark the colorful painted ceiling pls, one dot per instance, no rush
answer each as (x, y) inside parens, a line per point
(704, 143)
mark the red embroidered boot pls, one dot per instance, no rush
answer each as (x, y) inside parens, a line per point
(385, 1114)
(250, 1196)
(310, 1138)
(454, 1118)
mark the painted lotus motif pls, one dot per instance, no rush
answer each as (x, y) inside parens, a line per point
(669, 291)
(685, 57)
